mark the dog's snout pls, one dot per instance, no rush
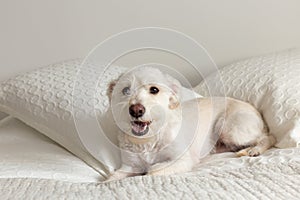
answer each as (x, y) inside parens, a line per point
(137, 110)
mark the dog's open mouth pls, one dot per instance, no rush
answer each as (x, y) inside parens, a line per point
(140, 128)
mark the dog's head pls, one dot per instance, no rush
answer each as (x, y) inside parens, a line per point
(142, 100)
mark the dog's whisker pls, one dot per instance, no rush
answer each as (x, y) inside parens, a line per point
(123, 107)
(121, 103)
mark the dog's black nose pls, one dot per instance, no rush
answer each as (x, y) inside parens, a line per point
(136, 110)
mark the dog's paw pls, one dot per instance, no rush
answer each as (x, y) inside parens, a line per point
(160, 169)
(160, 173)
(250, 151)
(112, 178)
(255, 151)
(116, 176)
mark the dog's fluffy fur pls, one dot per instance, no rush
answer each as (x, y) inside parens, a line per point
(147, 109)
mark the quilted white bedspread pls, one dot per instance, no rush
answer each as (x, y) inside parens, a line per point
(274, 175)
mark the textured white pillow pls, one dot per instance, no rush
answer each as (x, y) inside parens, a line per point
(43, 100)
(272, 84)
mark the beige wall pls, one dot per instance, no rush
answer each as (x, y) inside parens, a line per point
(38, 32)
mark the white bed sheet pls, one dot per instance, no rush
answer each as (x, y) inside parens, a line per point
(24, 152)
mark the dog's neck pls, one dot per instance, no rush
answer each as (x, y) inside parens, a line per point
(138, 145)
(140, 141)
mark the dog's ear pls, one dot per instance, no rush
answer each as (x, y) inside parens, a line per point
(174, 100)
(110, 89)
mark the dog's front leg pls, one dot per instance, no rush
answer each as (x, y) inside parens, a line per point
(121, 173)
(181, 165)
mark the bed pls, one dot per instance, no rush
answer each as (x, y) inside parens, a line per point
(34, 167)
(42, 158)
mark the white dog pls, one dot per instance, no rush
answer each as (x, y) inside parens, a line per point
(161, 135)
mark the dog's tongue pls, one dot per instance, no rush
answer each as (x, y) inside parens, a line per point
(138, 126)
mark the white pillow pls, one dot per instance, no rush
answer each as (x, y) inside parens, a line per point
(43, 100)
(272, 84)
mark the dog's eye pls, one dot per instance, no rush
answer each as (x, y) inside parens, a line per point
(126, 91)
(154, 90)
